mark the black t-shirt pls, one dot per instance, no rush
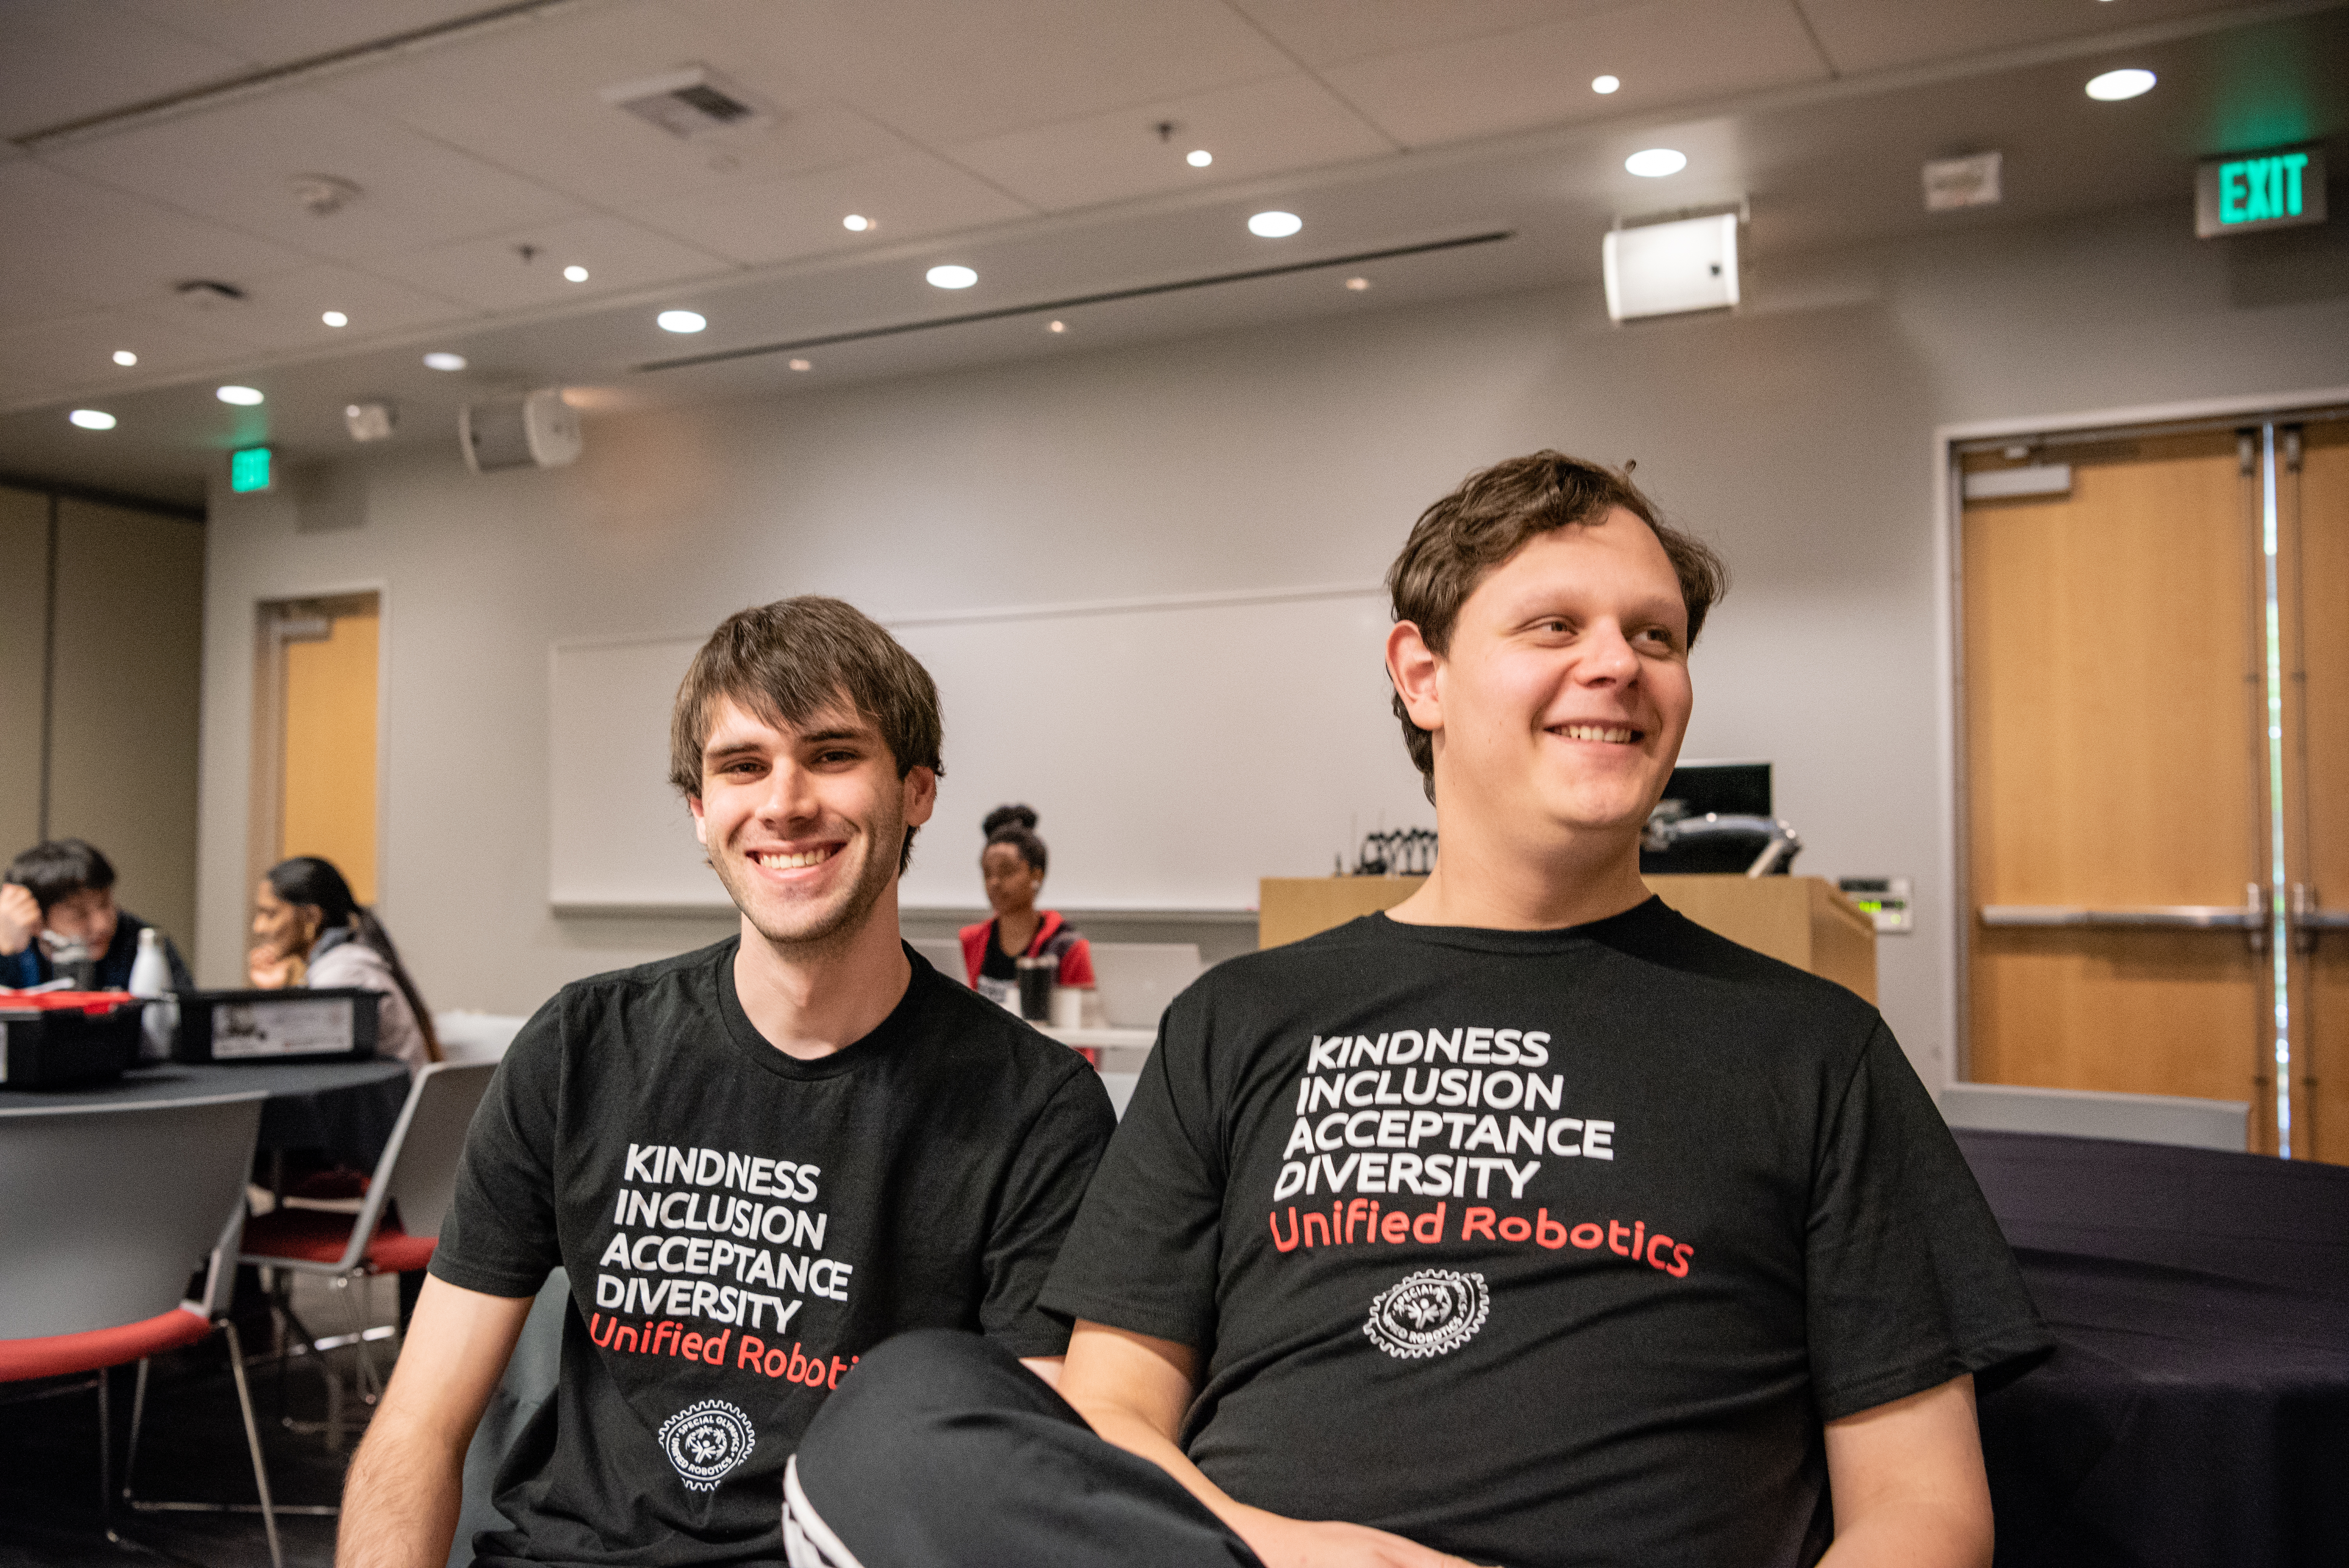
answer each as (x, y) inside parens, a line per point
(1540, 1247)
(738, 1226)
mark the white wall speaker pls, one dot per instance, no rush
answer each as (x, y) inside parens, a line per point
(1672, 268)
(536, 430)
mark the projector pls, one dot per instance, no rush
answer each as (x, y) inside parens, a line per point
(1672, 268)
(538, 429)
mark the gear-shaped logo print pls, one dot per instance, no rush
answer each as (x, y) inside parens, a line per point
(705, 1440)
(1431, 1313)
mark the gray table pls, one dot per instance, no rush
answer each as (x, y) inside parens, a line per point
(346, 1109)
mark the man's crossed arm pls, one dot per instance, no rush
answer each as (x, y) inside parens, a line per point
(1907, 1477)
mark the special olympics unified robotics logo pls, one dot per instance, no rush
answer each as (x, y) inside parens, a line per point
(1430, 1313)
(705, 1440)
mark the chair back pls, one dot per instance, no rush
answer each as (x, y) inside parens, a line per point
(418, 1168)
(2221, 1124)
(106, 1210)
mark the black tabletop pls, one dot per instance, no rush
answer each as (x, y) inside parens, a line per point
(346, 1109)
(2197, 1406)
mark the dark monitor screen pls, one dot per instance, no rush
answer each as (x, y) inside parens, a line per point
(1731, 789)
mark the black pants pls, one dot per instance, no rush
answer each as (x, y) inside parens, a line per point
(941, 1449)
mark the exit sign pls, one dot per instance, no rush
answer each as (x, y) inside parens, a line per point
(248, 470)
(2248, 190)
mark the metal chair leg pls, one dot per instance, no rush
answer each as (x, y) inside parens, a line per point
(138, 1415)
(105, 1450)
(253, 1445)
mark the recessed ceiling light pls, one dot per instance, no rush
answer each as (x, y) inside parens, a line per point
(92, 418)
(1358, 284)
(242, 397)
(574, 274)
(2115, 86)
(1605, 84)
(802, 365)
(124, 357)
(680, 321)
(437, 361)
(856, 222)
(1656, 162)
(951, 277)
(1275, 225)
(1056, 327)
(1200, 159)
(335, 318)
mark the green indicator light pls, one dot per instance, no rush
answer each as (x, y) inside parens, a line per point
(249, 469)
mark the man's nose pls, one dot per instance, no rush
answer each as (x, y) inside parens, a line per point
(1608, 656)
(790, 796)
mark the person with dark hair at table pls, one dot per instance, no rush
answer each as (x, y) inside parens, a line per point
(63, 889)
(1012, 865)
(313, 932)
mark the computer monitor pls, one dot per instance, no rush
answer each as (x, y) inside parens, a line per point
(1737, 788)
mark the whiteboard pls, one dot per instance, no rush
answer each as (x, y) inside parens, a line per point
(1175, 750)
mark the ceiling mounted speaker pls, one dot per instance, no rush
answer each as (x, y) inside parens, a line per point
(1672, 268)
(537, 430)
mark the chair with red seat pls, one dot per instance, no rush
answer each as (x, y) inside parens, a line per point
(417, 1176)
(104, 1212)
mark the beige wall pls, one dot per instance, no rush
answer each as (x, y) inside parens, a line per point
(23, 593)
(128, 682)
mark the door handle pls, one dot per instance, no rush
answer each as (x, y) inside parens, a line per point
(2250, 917)
(2310, 918)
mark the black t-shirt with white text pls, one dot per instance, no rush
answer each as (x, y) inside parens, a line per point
(1540, 1248)
(738, 1226)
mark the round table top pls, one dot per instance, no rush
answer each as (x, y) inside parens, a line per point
(346, 1109)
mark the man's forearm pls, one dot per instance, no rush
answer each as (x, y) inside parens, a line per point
(400, 1499)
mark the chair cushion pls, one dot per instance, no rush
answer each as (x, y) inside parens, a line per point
(60, 1354)
(312, 1235)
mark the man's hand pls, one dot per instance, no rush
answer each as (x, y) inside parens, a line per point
(401, 1497)
(1909, 1483)
(20, 918)
(1133, 1389)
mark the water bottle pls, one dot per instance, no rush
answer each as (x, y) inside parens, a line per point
(150, 977)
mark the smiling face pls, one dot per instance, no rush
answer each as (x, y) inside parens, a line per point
(805, 824)
(1559, 706)
(1012, 883)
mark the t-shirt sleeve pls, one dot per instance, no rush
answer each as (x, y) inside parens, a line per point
(1144, 1251)
(499, 1236)
(1910, 1282)
(1040, 1195)
(1077, 964)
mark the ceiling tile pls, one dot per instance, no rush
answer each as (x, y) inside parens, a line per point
(1873, 35)
(1666, 52)
(74, 357)
(232, 163)
(907, 196)
(529, 99)
(68, 60)
(273, 32)
(285, 312)
(1327, 32)
(1265, 127)
(945, 71)
(81, 242)
(491, 273)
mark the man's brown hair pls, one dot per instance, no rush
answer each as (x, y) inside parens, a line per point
(1460, 540)
(789, 661)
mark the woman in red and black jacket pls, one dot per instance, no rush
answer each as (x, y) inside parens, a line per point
(1013, 865)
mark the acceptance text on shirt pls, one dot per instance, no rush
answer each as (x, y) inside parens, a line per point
(1434, 1114)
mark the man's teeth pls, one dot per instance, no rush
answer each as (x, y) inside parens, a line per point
(777, 863)
(1596, 732)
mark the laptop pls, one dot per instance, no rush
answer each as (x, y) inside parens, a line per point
(1137, 979)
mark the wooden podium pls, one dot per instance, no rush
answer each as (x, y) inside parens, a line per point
(1803, 921)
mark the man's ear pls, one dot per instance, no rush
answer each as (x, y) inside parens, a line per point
(1412, 666)
(921, 796)
(700, 825)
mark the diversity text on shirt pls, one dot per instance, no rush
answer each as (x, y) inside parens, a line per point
(687, 1218)
(1366, 1106)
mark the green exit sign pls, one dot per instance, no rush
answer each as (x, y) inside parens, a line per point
(2247, 191)
(248, 470)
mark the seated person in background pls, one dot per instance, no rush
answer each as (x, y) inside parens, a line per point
(1013, 866)
(64, 891)
(314, 933)
(1524, 1223)
(756, 1161)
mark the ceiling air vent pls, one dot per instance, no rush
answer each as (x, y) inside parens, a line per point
(689, 102)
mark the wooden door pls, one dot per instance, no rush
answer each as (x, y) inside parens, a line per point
(315, 729)
(2314, 500)
(2112, 683)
